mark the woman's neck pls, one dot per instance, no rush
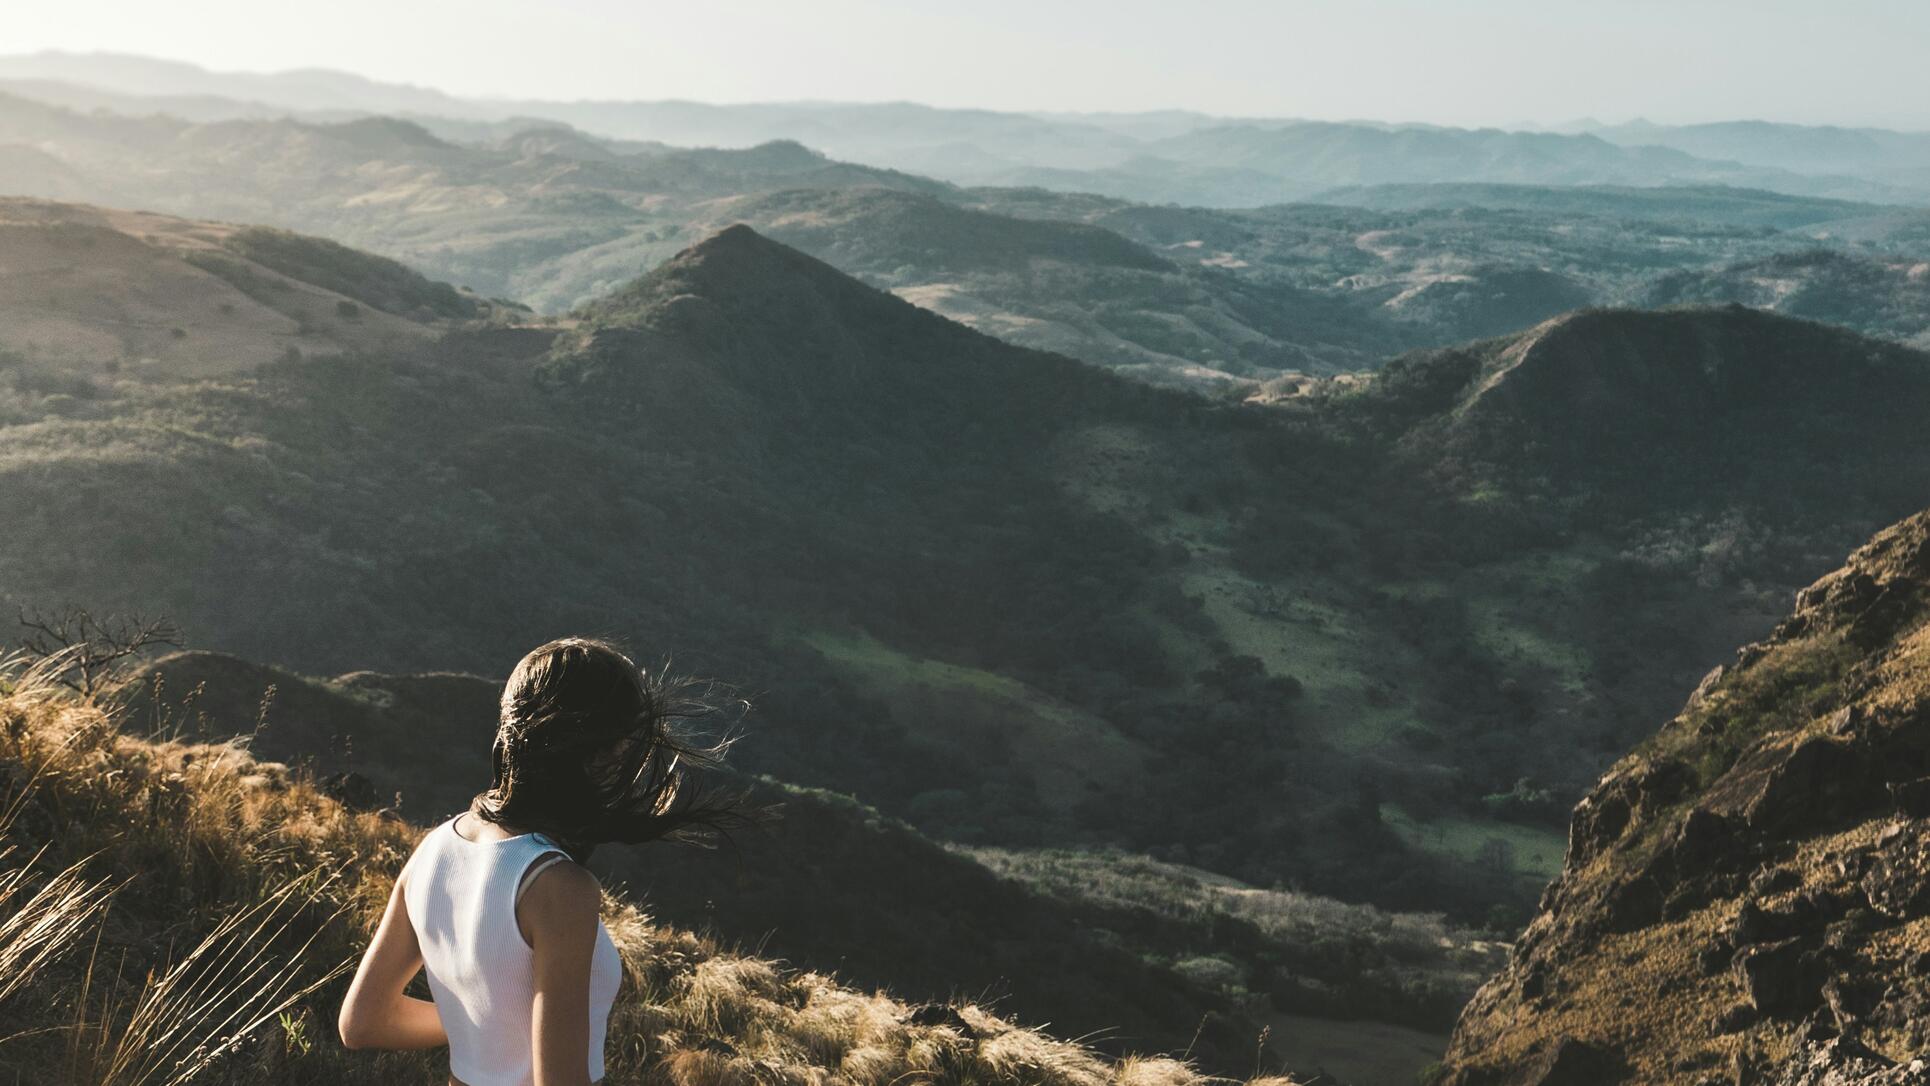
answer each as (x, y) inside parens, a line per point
(471, 827)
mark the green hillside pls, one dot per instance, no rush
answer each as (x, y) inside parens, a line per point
(1885, 294)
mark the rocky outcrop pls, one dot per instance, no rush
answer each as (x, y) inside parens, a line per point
(1746, 897)
(1842, 1062)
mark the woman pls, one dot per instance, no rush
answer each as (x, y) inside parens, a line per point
(495, 904)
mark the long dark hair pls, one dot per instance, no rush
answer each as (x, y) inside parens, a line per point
(591, 748)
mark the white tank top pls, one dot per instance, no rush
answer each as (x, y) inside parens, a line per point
(462, 903)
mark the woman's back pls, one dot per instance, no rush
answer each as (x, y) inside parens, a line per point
(523, 972)
(462, 897)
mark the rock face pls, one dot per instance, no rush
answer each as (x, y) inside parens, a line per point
(1843, 1062)
(1746, 897)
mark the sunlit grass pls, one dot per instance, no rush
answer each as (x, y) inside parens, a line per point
(182, 912)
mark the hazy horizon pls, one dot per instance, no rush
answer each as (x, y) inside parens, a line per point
(1529, 65)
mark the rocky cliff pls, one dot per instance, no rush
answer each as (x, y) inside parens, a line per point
(1746, 896)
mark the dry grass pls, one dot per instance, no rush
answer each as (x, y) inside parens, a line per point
(206, 1005)
(44, 918)
(185, 913)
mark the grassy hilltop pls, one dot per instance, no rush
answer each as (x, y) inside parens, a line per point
(181, 910)
(1132, 952)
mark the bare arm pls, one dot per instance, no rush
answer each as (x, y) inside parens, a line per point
(558, 915)
(376, 1013)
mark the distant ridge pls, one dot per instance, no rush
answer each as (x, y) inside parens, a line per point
(1662, 403)
(1220, 301)
(1689, 203)
(303, 89)
(1158, 157)
(877, 227)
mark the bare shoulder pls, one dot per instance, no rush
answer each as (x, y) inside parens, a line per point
(561, 895)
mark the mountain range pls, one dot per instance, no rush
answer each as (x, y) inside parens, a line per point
(1220, 300)
(1164, 157)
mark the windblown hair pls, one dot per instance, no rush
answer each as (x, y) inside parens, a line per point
(591, 748)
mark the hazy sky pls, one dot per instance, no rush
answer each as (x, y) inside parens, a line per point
(1447, 61)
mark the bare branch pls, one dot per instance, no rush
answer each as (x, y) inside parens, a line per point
(99, 645)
